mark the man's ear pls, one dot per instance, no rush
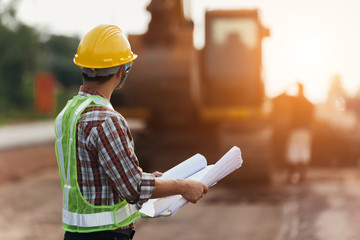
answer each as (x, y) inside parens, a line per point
(118, 74)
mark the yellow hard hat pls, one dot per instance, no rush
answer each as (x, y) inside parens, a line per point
(104, 46)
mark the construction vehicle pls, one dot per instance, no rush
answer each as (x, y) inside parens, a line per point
(200, 100)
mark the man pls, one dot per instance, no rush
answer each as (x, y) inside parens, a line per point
(299, 140)
(103, 185)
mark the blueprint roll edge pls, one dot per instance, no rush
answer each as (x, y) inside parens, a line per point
(186, 168)
(231, 161)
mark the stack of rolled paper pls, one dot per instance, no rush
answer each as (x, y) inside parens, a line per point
(193, 168)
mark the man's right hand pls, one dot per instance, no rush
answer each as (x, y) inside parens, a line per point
(193, 190)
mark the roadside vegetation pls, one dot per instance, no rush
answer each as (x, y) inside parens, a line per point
(24, 52)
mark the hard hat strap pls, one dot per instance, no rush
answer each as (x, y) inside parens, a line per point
(127, 68)
(100, 72)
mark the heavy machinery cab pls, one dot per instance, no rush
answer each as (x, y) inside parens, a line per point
(230, 64)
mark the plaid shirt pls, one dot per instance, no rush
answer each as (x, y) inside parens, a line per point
(108, 169)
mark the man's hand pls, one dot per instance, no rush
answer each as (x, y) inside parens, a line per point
(193, 190)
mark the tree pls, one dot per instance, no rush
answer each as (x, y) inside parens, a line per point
(58, 54)
(19, 47)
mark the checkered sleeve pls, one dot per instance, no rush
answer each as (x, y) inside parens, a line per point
(118, 159)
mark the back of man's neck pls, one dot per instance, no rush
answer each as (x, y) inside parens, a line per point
(103, 89)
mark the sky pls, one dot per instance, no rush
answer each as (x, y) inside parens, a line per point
(311, 40)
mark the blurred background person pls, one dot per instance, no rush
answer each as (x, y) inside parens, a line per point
(298, 151)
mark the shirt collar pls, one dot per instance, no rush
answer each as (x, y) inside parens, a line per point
(85, 92)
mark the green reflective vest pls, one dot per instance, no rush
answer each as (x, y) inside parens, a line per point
(78, 214)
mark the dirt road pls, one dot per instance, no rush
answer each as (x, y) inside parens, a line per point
(326, 207)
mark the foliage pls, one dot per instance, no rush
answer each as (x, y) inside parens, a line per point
(18, 55)
(23, 53)
(58, 54)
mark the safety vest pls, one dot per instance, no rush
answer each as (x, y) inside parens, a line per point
(78, 214)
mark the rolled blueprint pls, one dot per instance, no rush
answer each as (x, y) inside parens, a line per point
(159, 206)
(227, 164)
(212, 174)
(186, 168)
(194, 168)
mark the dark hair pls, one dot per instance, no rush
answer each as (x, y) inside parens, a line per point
(100, 79)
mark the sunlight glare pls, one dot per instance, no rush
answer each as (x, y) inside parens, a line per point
(308, 61)
(306, 53)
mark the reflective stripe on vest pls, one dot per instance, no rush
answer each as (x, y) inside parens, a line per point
(98, 219)
(88, 220)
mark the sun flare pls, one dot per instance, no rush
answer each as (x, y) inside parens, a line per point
(308, 59)
(306, 52)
